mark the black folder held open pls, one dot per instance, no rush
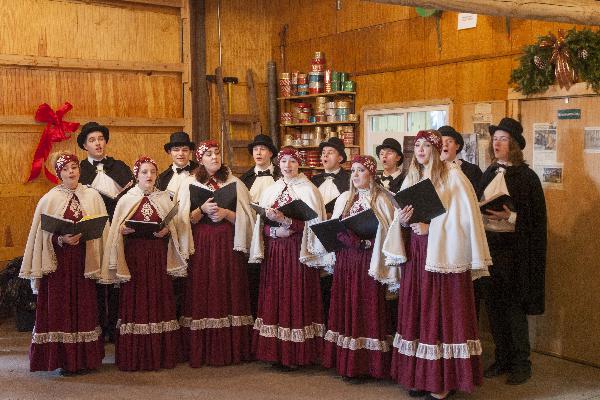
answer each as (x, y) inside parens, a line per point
(90, 227)
(225, 197)
(424, 199)
(296, 209)
(363, 224)
(497, 203)
(146, 229)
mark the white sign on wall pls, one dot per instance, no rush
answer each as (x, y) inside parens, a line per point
(467, 21)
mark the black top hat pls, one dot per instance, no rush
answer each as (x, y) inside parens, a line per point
(179, 139)
(89, 128)
(391, 143)
(513, 127)
(447, 130)
(337, 144)
(263, 140)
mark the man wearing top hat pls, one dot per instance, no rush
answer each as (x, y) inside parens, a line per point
(108, 176)
(390, 155)
(334, 180)
(264, 173)
(180, 148)
(111, 178)
(257, 179)
(453, 144)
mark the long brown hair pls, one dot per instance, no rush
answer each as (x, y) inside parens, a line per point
(515, 154)
(202, 175)
(376, 191)
(439, 169)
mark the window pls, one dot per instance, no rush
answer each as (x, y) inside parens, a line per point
(382, 122)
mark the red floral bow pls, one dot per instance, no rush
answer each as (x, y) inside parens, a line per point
(55, 131)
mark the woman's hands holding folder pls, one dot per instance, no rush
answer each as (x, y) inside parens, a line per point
(195, 216)
(209, 206)
(405, 214)
(162, 233)
(71, 240)
(420, 228)
(125, 230)
(275, 215)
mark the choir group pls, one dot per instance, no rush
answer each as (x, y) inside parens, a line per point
(219, 286)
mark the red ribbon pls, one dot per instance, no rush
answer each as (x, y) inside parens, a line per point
(55, 131)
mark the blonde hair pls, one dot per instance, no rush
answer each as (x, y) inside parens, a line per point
(376, 191)
(439, 169)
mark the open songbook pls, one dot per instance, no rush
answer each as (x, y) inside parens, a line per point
(225, 197)
(496, 196)
(145, 228)
(90, 227)
(297, 209)
(364, 225)
(424, 199)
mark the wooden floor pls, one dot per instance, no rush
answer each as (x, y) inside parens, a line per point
(553, 379)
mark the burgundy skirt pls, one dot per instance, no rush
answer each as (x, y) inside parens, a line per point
(357, 342)
(216, 319)
(148, 336)
(289, 325)
(66, 333)
(436, 347)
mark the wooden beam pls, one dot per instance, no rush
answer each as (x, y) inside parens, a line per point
(199, 85)
(162, 3)
(554, 91)
(110, 121)
(584, 12)
(11, 60)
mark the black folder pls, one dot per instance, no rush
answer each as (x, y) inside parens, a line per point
(297, 209)
(363, 224)
(146, 229)
(497, 203)
(225, 197)
(424, 199)
(90, 228)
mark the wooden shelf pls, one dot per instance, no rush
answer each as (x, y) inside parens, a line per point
(351, 146)
(312, 96)
(318, 124)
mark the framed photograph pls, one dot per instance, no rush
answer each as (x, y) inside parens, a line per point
(591, 140)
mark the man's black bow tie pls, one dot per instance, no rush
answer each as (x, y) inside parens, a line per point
(264, 173)
(186, 168)
(329, 175)
(98, 162)
(387, 178)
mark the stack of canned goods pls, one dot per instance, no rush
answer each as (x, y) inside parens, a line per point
(301, 113)
(346, 133)
(285, 84)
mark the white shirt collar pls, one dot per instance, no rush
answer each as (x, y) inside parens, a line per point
(395, 174)
(335, 171)
(174, 166)
(91, 160)
(271, 168)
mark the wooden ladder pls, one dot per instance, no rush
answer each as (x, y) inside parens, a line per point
(227, 119)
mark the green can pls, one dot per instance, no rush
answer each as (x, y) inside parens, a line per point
(336, 86)
(343, 76)
(348, 86)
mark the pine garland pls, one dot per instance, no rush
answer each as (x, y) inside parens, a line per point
(536, 73)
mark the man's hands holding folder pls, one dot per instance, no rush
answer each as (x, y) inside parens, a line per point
(71, 240)
(498, 215)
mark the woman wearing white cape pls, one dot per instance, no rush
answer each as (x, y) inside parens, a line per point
(147, 335)
(289, 326)
(62, 270)
(437, 347)
(216, 317)
(357, 342)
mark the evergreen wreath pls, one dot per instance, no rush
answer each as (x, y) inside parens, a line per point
(536, 71)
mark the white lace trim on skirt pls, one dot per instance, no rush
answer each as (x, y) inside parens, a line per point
(66, 337)
(347, 342)
(298, 335)
(436, 351)
(216, 323)
(131, 328)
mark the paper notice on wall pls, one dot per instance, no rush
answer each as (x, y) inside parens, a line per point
(482, 119)
(551, 175)
(484, 158)
(467, 21)
(591, 139)
(545, 139)
(470, 152)
(484, 108)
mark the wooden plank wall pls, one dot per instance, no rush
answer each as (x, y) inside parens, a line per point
(393, 53)
(246, 43)
(118, 62)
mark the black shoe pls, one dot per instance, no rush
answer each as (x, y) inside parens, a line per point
(417, 393)
(355, 380)
(284, 368)
(518, 377)
(495, 370)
